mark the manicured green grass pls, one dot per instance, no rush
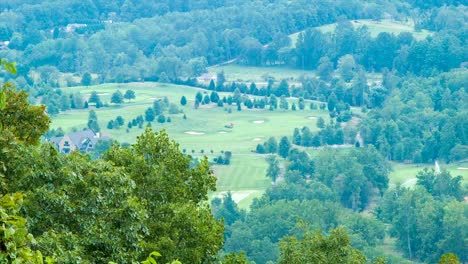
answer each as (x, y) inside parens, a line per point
(405, 174)
(247, 171)
(259, 75)
(375, 28)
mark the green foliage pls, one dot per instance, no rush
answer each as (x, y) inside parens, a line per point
(129, 95)
(168, 184)
(183, 100)
(15, 240)
(449, 258)
(86, 79)
(317, 248)
(93, 123)
(234, 258)
(27, 123)
(273, 167)
(414, 214)
(117, 97)
(283, 147)
(440, 184)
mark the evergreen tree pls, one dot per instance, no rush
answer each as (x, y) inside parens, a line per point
(93, 122)
(161, 119)
(157, 107)
(94, 98)
(206, 99)
(284, 147)
(273, 169)
(214, 97)
(320, 122)
(86, 79)
(149, 114)
(183, 100)
(212, 86)
(297, 137)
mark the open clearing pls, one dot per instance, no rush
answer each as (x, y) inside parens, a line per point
(405, 174)
(202, 130)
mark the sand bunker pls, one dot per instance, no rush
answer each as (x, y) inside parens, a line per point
(153, 98)
(259, 122)
(462, 168)
(222, 132)
(311, 117)
(237, 196)
(101, 94)
(257, 139)
(194, 133)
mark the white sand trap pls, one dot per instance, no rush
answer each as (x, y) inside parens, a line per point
(462, 168)
(237, 196)
(153, 98)
(194, 133)
(101, 94)
(222, 132)
(257, 139)
(259, 122)
(409, 183)
(311, 117)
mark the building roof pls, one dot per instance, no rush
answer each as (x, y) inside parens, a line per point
(81, 139)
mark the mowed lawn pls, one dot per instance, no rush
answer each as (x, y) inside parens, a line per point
(203, 130)
(405, 174)
(259, 75)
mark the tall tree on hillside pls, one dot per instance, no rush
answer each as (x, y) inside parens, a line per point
(94, 97)
(284, 147)
(325, 69)
(317, 248)
(346, 67)
(86, 79)
(273, 169)
(93, 122)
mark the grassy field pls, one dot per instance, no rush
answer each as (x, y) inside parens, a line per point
(375, 28)
(246, 175)
(405, 174)
(259, 75)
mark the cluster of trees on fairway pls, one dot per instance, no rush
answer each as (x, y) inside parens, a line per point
(59, 100)
(156, 112)
(331, 134)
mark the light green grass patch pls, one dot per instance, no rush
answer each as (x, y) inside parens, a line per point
(374, 27)
(259, 75)
(405, 174)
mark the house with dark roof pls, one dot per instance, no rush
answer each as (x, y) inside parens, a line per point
(83, 141)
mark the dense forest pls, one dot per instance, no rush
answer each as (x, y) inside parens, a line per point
(149, 201)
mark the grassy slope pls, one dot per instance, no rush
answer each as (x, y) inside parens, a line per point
(247, 171)
(405, 174)
(375, 28)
